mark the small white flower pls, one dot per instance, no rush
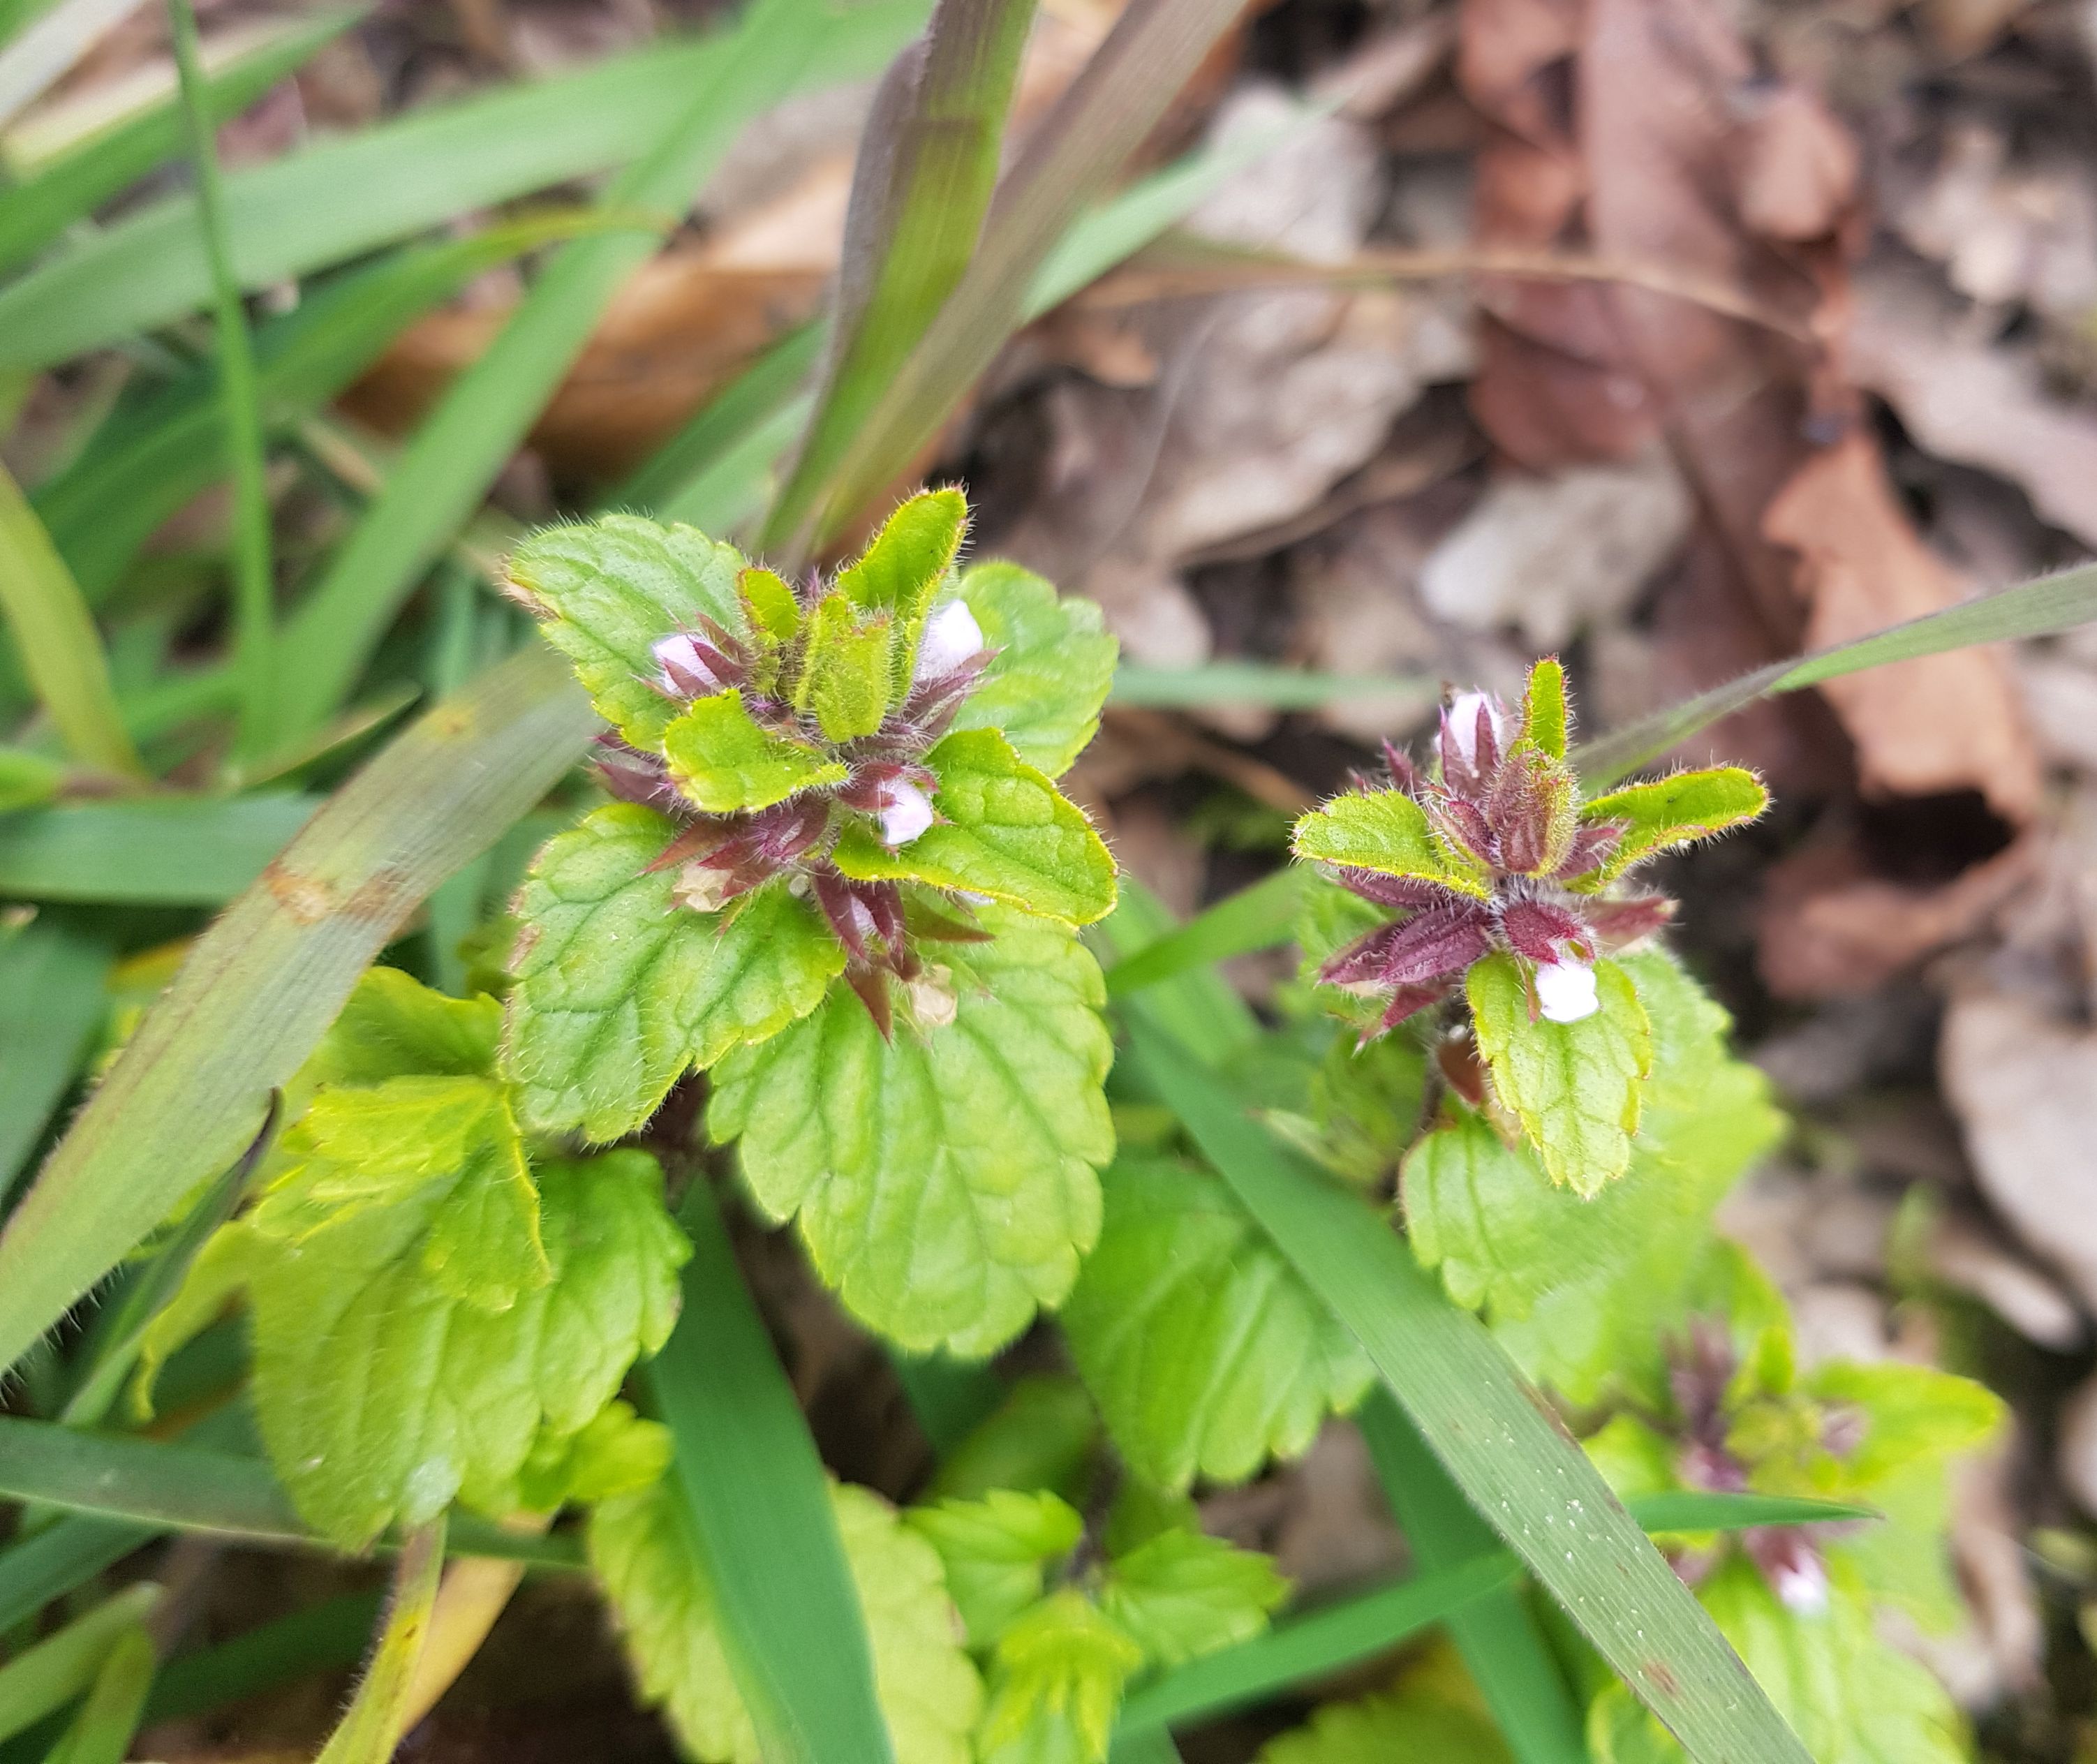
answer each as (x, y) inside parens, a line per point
(950, 636)
(679, 655)
(1566, 991)
(1800, 1582)
(906, 811)
(1464, 722)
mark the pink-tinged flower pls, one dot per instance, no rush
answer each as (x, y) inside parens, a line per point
(689, 668)
(906, 811)
(951, 638)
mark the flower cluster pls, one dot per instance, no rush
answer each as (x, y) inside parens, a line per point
(1490, 848)
(866, 765)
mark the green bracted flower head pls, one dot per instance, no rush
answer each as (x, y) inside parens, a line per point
(813, 736)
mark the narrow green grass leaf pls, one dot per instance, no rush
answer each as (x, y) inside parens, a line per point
(61, 185)
(1258, 916)
(322, 1638)
(721, 427)
(372, 1727)
(454, 456)
(254, 608)
(1189, 999)
(61, 1559)
(337, 199)
(1312, 1645)
(153, 456)
(157, 1486)
(1149, 1745)
(262, 984)
(754, 1493)
(44, 1679)
(161, 850)
(1269, 684)
(51, 999)
(927, 163)
(1066, 164)
(102, 1731)
(1496, 1635)
(1492, 1432)
(55, 636)
(2042, 607)
(950, 1397)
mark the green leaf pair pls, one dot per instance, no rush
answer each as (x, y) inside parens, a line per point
(433, 1317)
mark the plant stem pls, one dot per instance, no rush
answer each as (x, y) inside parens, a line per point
(253, 576)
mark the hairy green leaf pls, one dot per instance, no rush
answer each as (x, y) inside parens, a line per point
(1581, 1291)
(943, 1180)
(1575, 1087)
(1182, 1595)
(849, 670)
(1205, 1350)
(1056, 1684)
(1544, 721)
(607, 591)
(908, 559)
(1427, 1721)
(1006, 832)
(619, 990)
(658, 1585)
(1674, 811)
(1387, 832)
(1051, 665)
(724, 760)
(394, 1026)
(996, 1550)
(382, 1396)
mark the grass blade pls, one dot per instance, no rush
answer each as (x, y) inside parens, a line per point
(1309, 1647)
(154, 456)
(927, 164)
(1493, 1433)
(56, 636)
(769, 385)
(319, 1638)
(2043, 607)
(44, 1679)
(157, 851)
(377, 1715)
(1496, 1635)
(101, 1732)
(1255, 917)
(454, 456)
(254, 576)
(51, 1000)
(1066, 164)
(61, 186)
(157, 1486)
(339, 200)
(60, 1559)
(263, 983)
(756, 1498)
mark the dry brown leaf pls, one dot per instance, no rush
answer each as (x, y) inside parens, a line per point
(2022, 1082)
(1828, 927)
(1922, 728)
(1981, 405)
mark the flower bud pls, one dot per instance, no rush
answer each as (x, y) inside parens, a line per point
(951, 637)
(1566, 991)
(684, 662)
(906, 811)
